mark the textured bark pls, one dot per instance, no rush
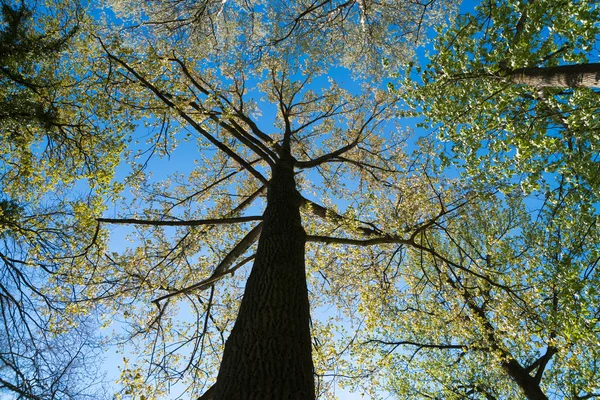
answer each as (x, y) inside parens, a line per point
(268, 354)
(580, 75)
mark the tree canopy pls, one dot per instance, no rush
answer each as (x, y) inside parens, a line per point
(53, 139)
(506, 86)
(282, 230)
(511, 91)
(203, 73)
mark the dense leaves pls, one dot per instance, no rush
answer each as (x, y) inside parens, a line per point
(54, 138)
(508, 307)
(473, 92)
(505, 308)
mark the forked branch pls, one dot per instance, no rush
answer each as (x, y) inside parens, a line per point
(224, 266)
(185, 116)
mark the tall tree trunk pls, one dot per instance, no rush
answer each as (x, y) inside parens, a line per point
(268, 354)
(579, 75)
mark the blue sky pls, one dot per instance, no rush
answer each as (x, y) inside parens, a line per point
(180, 162)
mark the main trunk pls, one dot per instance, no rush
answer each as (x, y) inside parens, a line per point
(579, 75)
(268, 354)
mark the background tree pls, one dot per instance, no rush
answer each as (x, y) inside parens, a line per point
(506, 87)
(507, 90)
(53, 138)
(503, 307)
(204, 72)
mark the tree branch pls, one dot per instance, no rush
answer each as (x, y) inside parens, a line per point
(357, 242)
(197, 222)
(18, 390)
(238, 113)
(325, 213)
(327, 157)
(420, 345)
(164, 98)
(541, 363)
(223, 268)
(205, 284)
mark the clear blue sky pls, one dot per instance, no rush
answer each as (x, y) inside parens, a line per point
(181, 163)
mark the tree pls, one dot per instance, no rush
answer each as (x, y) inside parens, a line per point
(505, 307)
(52, 139)
(512, 86)
(204, 67)
(507, 89)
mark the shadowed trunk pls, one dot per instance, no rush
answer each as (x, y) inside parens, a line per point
(268, 354)
(528, 384)
(580, 75)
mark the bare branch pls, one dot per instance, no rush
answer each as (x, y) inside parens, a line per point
(357, 242)
(205, 284)
(223, 268)
(197, 222)
(420, 345)
(212, 185)
(327, 157)
(339, 152)
(165, 99)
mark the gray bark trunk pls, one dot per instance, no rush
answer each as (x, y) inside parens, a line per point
(580, 75)
(269, 352)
